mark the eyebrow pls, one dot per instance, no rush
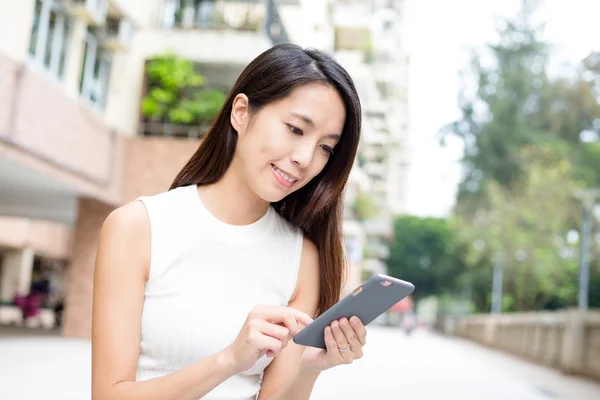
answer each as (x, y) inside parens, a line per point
(310, 122)
(303, 117)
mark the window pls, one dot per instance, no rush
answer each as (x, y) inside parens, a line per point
(172, 13)
(204, 11)
(49, 40)
(95, 72)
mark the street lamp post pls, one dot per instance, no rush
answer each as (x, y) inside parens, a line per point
(588, 197)
(497, 284)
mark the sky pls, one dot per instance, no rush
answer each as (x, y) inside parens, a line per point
(439, 32)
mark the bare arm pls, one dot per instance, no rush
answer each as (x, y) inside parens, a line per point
(121, 272)
(283, 379)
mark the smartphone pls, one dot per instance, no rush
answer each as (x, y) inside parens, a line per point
(367, 302)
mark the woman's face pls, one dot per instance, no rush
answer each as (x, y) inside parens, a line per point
(288, 142)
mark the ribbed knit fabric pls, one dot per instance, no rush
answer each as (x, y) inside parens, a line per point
(205, 276)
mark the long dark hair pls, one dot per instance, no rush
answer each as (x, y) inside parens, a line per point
(317, 207)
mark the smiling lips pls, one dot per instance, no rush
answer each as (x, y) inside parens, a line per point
(284, 178)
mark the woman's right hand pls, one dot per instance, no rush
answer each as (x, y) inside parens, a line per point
(266, 331)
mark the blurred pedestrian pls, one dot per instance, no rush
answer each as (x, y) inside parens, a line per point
(33, 305)
(20, 301)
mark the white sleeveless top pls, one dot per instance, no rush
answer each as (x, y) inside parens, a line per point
(205, 276)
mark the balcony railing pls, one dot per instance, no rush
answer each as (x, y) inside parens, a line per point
(150, 128)
(93, 12)
(240, 15)
(246, 15)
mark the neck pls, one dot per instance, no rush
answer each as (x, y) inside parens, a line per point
(232, 201)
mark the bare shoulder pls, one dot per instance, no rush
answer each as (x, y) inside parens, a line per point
(130, 218)
(127, 230)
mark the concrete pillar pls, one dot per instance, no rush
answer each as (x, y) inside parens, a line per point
(490, 330)
(573, 345)
(80, 273)
(537, 348)
(17, 267)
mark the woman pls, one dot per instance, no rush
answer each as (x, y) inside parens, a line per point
(199, 290)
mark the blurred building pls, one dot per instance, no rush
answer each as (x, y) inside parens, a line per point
(369, 40)
(353, 229)
(72, 74)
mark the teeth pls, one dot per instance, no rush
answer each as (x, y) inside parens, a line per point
(285, 176)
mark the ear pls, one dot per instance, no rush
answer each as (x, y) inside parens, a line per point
(240, 113)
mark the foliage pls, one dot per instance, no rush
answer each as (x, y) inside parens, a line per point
(527, 229)
(530, 140)
(570, 110)
(497, 101)
(363, 207)
(425, 252)
(176, 94)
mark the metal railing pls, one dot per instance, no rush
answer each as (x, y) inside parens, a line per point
(165, 129)
(246, 15)
(241, 15)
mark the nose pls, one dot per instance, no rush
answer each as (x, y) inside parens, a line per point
(303, 154)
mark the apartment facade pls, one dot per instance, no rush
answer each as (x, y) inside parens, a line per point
(391, 63)
(72, 74)
(371, 37)
(370, 41)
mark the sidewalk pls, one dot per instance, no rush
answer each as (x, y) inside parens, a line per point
(422, 366)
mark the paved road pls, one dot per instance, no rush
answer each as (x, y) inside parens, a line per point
(424, 366)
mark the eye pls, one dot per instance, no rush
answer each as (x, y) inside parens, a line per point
(295, 130)
(327, 149)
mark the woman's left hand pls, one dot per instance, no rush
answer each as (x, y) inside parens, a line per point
(344, 340)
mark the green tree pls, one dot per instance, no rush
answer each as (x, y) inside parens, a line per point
(425, 252)
(176, 93)
(568, 107)
(527, 228)
(499, 95)
(530, 139)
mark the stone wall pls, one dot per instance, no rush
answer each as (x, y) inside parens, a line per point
(568, 340)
